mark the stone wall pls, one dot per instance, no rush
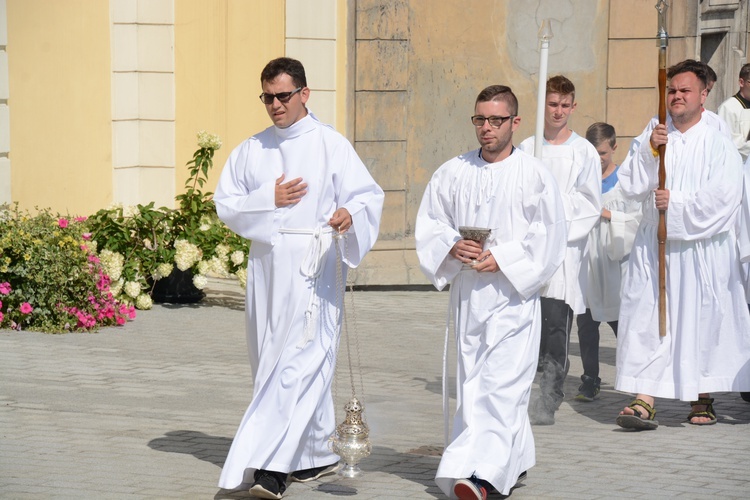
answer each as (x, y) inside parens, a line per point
(419, 65)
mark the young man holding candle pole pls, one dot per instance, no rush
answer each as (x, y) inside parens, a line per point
(575, 164)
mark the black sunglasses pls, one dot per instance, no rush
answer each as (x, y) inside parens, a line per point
(283, 97)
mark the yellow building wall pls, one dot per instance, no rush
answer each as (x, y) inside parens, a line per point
(60, 104)
(220, 50)
(344, 79)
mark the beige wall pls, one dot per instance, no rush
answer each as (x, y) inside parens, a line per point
(104, 97)
(220, 50)
(4, 111)
(420, 65)
(59, 82)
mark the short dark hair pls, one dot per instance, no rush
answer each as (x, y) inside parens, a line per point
(291, 67)
(559, 84)
(599, 132)
(499, 93)
(745, 72)
(690, 66)
(710, 73)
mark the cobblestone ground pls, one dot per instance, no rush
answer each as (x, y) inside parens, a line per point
(149, 411)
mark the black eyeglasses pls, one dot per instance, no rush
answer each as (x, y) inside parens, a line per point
(283, 97)
(495, 121)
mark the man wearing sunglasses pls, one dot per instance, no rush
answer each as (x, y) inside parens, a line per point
(290, 189)
(494, 293)
(575, 165)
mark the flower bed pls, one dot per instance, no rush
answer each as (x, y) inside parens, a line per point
(142, 244)
(59, 274)
(50, 277)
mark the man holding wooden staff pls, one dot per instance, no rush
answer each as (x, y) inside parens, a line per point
(706, 346)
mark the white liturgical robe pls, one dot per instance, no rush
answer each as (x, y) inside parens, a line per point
(577, 170)
(743, 229)
(609, 246)
(292, 300)
(734, 113)
(496, 315)
(707, 346)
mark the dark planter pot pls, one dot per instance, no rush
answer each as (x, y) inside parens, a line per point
(177, 288)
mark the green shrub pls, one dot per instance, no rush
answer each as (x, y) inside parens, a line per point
(50, 278)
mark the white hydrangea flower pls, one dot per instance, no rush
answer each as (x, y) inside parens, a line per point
(220, 266)
(144, 302)
(163, 270)
(112, 263)
(204, 267)
(200, 281)
(206, 140)
(132, 289)
(237, 257)
(115, 287)
(222, 250)
(130, 211)
(187, 254)
(242, 276)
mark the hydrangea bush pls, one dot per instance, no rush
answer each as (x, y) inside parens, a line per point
(142, 244)
(50, 276)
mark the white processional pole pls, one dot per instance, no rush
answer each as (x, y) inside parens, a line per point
(545, 33)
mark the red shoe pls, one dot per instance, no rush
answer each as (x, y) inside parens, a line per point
(469, 489)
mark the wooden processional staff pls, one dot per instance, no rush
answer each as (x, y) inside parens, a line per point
(661, 232)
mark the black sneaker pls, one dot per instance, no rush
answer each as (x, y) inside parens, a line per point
(303, 476)
(589, 389)
(268, 484)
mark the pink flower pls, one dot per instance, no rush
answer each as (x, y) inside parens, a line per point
(103, 283)
(5, 288)
(80, 219)
(120, 321)
(26, 308)
(1, 318)
(86, 236)
(94, 259)
(63, 223)
(1, 305)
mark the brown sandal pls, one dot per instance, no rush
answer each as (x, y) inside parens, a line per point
(708, 412)
(636, 421)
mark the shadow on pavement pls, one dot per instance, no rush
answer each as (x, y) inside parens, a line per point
(436, 386)
(213, 449)
(418, 465)
(412, 466)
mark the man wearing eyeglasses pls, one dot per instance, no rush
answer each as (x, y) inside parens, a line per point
(494, 288)
(575, 164)
(290, 189)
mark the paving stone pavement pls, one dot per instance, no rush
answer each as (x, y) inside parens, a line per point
(149, 411)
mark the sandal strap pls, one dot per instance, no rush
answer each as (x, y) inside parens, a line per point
(639, 402)
(704, 413)
(708, 412)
